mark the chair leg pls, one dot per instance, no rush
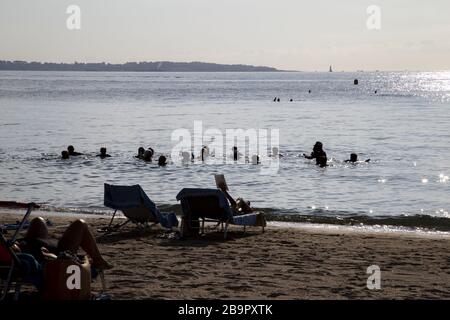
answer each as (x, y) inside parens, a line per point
(102, 279)
(225, 232)
(17, 291)
(4, 290)
(182, 227)
(111, 221)
(244, 229)
(203, 226)
(7, 282)
(120, 225)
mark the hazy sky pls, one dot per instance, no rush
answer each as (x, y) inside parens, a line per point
(287, 34)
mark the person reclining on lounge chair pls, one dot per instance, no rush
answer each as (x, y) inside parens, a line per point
(76, 236)
(240, 206)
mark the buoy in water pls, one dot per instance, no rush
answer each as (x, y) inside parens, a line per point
(355, 82)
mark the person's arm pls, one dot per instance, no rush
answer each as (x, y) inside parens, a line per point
(47, 254)
(15, 247)
(309, 157)
(229, 197)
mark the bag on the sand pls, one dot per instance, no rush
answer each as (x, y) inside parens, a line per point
(67, 278)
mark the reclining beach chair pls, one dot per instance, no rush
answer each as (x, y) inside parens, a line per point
(136, 206)
(211, 205)
(12, 268)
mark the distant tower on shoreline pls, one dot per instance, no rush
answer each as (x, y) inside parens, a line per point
(331, 69)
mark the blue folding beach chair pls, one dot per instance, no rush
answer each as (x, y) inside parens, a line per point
(211, 205)
(16, 269)
(136, 206)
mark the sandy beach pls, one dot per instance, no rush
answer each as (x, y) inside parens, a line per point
(282, 263)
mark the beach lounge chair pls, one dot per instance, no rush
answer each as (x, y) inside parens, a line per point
(211, 205)
(15, 268)
(136, 206)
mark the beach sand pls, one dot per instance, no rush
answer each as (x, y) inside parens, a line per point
(282, 263)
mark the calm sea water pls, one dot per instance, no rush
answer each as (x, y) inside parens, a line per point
(403, 129)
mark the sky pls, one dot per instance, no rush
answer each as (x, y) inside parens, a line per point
(286, 34)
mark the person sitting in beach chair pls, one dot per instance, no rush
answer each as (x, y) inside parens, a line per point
(35, 260)
(76, 236)
(239, 205)
(216, 205)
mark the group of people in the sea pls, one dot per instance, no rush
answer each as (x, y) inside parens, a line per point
(321, 156)
(70, 152)
(147, 155)
(277, 99)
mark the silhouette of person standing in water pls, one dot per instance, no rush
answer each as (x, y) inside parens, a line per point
(235, 154)
(319, 154)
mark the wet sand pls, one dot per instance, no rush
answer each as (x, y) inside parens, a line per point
(282, 263)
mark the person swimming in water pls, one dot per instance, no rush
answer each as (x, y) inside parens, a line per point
(205, 152)
(255, 159)
(64, 155)
(354, 158)
(103, 153)
(140, 154)
(148, 154)
(318, 153)
(162, 161)
(72, 152)
(276, 153)
(235, 153)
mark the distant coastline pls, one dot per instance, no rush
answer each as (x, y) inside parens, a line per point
(157, 66)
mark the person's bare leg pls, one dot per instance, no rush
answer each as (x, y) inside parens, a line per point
(78, 235)
(37, 229)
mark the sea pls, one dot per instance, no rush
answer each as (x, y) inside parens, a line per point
(398, 120)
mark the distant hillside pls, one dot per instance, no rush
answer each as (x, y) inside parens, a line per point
(159, 66)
